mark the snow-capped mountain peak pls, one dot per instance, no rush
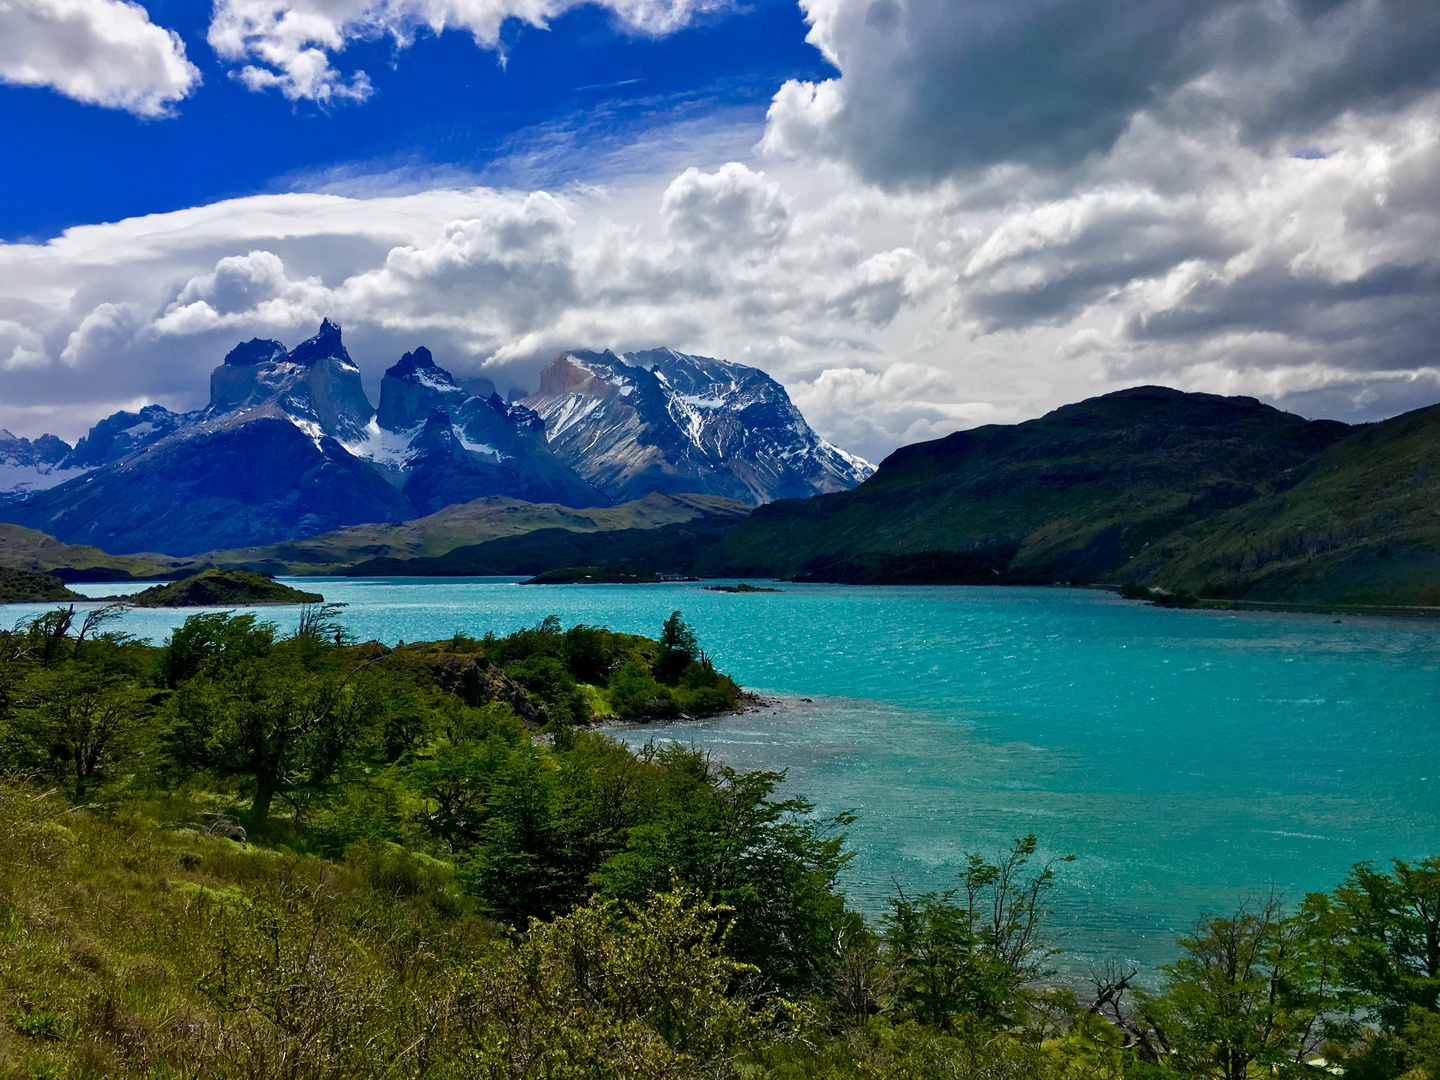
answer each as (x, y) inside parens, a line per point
(663, 420)
(289, 446)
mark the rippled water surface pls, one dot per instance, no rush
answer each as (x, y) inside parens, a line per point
(1185, 757)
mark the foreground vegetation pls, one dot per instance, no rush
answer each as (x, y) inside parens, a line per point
(247, 855)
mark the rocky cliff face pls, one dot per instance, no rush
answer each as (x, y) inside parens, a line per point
(27, 467)
(443, 445)
(664, 421)
(124, 433)
(251, 477)
(316, 383)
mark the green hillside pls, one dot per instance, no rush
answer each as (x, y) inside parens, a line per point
(1071, 496)
(31, 586)
(1360, 526)
(28, 549)
(457, 526)
(1217, 497)
(663, 549)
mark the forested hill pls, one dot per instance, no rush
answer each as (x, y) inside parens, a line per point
(1148, 487)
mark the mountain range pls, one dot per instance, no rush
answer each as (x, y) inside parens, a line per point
(1165, 494)
(290, 447)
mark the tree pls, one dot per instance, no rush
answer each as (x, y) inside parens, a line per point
(1008, 907)
(458, 783)
(1256, 989)
(642, 991)
(285, 721)
(518, 864)
(634, 694)
(77, 720)
(679, 635)
(978, 957)
(321, 625)
(211, 643)
(719, 831)
(1392, 949)
(931, 943)
(48, 632)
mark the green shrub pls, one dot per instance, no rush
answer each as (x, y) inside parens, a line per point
(634, 694)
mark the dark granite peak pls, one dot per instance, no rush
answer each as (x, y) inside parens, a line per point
(420, 360)
(325, 344)
(437, 436)
(124, 433)
(412, 387)
(255, 351)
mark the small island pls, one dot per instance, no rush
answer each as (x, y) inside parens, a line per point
(222, 588)
(32, 587)
(743, 587)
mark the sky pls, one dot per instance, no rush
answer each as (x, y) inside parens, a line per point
(918, 215)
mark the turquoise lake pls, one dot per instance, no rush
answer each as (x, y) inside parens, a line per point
(1188, 759)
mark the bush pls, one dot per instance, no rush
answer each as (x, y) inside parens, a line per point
(634, 694)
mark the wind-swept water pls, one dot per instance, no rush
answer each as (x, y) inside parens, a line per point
(1187, 758)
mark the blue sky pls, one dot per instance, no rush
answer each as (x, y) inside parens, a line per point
(441, 107)
(919, 215)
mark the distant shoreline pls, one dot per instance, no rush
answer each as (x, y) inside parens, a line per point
(1410, 611)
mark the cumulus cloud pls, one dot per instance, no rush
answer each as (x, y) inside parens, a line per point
(20, 346)
(101, 52)
(932, 90)
(732, 207)
(288, 44)
(104, 331)
(492, 281)
(904, 403)
(512, 267)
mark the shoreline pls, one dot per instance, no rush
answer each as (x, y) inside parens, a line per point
(1402, 611)
(749, 702)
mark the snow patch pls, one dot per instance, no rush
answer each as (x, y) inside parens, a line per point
(477, 447)
(19, 480)
(382, 446)
(435, 379)
(310, 428)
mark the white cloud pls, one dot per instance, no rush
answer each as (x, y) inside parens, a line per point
(1192, 257)
(904, 403)
(104, 331)
(731, 208)
(20, 346)
(101, 52)
(288, 44)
